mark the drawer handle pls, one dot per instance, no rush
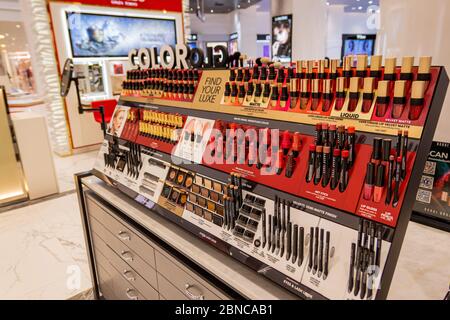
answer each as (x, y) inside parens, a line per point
(127, 256)
(124, 236)
(126, 272)
(131, 297)
(191, 295)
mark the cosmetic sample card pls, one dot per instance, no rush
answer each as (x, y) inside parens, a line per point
(194, 139)
(151, 178)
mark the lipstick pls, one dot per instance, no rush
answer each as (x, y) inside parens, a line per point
(382, 98)
(280, 162)
(264, 75)
(299, 69)
(247, 75)
(379, 184)
(242, 93)
(405, 153)
(351, 274)
(387, 145)
(318, 165)
(354, 94)
(340, 137)
(272, 74)
(255, 72)
(368, 95)
(296, 144)
(398, 173)
(361, 66)
(315, 95)
(351, 139)
(318, 134)
(290, 74)
(290, 165)
(284, 96)
(399, 99)
(311, 163)
(281, 75)
(327, 95)
(250, 91)
(240, 75)
(390, 64)
(389, 180)
(324, 133)
(406, 73)
(234, 92)
(304, 94)
(343, 180)
(266, 93)
(332, 136)
(335, 168)
(326, 174)
(340, 93)
(370, 182)
(309, 69)
(417, 100)
(347, 70)
(424, 73)
(398, 147)
(286, 142)
(294, 93)
(377, 151)
(232, 77)
(375, 67)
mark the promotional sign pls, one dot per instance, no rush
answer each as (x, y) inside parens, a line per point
(282, 38)
(168, 5)
(433, 196)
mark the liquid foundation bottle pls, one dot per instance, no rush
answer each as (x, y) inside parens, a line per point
(417, 100)
(315, 96)
(284, 96)
(250, 91)
(327, 95)
(340, 93)
(361, 66)
(258, 92)
(304, 94)
(266, 93)
(423, 73)
(382, 98)
(390, 64)
(369, 85)
(354, 94)
(406, 73)
(242, 93)
(234, 92)
(294, 93)
(399, 99)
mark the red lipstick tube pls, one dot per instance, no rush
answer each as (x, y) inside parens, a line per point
(379, 184)
(370, 182)
(296, 144)
(382, 98)
(315, 97)
(304, 94)
(354, 94)
(417, 100)
(286, 142)
(340, 94)
(368, 94)
(327, 95)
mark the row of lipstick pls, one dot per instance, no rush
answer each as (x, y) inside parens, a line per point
(161, 126)
(365, 257)
(332, 156)
(386, 171)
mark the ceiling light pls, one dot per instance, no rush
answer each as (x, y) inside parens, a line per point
(18, 26)
(328, 3)
(2, 36)
(359, 8)
(212, 11)
(3, 45)
(370, 2)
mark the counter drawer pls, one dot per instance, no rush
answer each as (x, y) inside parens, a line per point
(168, 290)
(121, 230)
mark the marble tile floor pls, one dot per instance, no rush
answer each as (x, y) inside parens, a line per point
(43, 251)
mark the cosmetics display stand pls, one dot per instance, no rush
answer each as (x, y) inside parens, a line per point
(327, 217)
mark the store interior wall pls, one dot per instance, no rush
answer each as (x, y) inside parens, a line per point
(418, 28)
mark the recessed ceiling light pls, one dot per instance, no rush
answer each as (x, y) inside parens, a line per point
(18, 26)
(328, 3)
(359, 8)
(212, 11)
(370, 2)
(3, 45)
(2, 36)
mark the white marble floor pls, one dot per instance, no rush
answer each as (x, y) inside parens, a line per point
(43, 252)
(66, 167)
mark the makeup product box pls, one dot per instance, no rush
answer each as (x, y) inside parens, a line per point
(433, 198)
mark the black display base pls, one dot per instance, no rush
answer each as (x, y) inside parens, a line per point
(431, 221)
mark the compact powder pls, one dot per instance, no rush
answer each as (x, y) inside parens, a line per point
(190, 207)
(199, 180)
(207, 215)
(166, 191)
(218, 221)
(205, 193)
(192, 198)
(207, 183)
(172, 174)
(214, 196)
(183, 199)
(211, 206)
(217, 187)
(201, 202)
(220, 210)
(198, 211)
(174, 196)
(188, 182)
(196, 189)
(181, 177)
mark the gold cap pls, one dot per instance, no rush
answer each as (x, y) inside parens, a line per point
(375, 63)
(399, 89)
(310, 66)
(327, 86)
(315, 85)
(424, 65)
(407, 64)
(348, 63)
(304, 85)
(418, 90)
(369, 85)
(383, 88)
(294, 85)
(334, 65)
(389, 65)
(340, 84)
(299, 66)
(322, 66)
(354, 84)
(361, 64)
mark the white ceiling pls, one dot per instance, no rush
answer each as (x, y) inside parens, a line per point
(354, 5)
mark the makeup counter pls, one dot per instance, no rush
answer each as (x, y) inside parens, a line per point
(306, 175)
